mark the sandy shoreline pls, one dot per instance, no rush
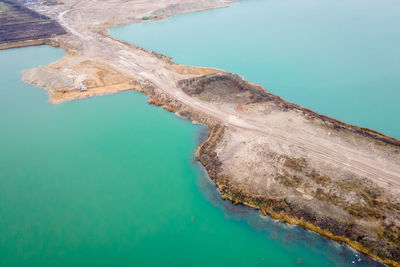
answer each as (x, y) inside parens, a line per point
(22, 44)
(315, 178)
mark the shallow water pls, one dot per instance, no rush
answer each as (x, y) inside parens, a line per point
(337, 57)
(113, 180)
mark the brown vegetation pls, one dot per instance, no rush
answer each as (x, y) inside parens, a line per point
(21, 26)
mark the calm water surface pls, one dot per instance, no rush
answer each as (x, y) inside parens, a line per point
(338, 57)
(113, 180)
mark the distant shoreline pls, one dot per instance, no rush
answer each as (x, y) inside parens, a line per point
(22, 44)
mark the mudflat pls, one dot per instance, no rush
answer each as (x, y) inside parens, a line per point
(333, 178)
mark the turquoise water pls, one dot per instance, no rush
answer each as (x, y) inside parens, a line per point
(340, 58)
(113, 180)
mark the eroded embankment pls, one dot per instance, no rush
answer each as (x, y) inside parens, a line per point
(278, 207)
(22, 44)
(298, 190)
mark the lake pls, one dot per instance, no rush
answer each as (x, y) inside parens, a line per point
(113, 180)
(339, 58)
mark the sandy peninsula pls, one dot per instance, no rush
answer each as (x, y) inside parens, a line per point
(339, 180)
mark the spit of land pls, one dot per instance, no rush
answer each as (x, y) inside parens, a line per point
(339, 180)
